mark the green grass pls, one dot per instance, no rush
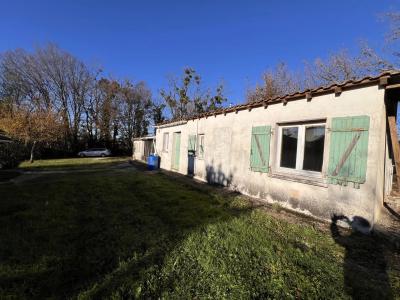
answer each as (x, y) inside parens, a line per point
(6, 175)
(72, 162)
(126, 234)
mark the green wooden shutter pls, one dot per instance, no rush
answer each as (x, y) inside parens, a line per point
(348, 150)
(176, 150)
(192, 143)
(259, 153)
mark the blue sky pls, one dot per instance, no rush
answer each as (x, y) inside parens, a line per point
(233, 41)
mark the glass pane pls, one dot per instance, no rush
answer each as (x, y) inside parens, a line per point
(165, 141)
(314, 148)
(201, 146)
(289, 147)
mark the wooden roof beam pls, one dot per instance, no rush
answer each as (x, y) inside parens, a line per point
(338, 90)
(383, 81)
(392, 86)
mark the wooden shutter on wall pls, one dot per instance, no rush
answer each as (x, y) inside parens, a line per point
(348, 150)
(192, 143)
(259, 152)
(176, 150)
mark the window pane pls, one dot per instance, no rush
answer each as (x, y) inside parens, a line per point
(201, 146)
(314, 148)
(165, 141)
(289, 147)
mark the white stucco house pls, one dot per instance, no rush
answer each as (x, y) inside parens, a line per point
(324, 151)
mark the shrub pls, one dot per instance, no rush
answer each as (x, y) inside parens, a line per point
(11, 154)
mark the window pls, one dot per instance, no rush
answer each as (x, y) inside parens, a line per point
(314, 148)
(192, 143)
(201, 146)
(165, 141)
(301, 147)
(289, 147)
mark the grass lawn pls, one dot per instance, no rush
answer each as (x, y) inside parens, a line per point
(72, 162)
(130, 234)
(6, 175)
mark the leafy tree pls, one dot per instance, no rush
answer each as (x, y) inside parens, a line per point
(157, 113)
(31, 127)
(186, 97)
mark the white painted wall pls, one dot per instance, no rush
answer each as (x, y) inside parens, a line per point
(138, 150)
(141, 148)
(227, 153)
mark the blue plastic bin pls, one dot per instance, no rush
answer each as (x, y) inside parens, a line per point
(152, 162)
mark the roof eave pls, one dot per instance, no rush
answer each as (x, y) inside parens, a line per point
(384, 79)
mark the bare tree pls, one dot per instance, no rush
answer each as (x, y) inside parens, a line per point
(336, 68)
(52, 82)
(135, 111)
(68, 81)
(49, 77)
(393, 36)
(342, 66)
(107, 110)
(21, 80)
(276, 82)
(394, 22)
(90, 111)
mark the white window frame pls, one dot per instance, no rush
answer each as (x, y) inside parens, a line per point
(300, 149)
(165, 142)
(200, 137)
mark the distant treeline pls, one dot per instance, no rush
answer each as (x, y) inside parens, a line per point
(55, 105)
(53, 101)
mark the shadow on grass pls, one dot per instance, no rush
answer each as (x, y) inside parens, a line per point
(7, 175)
(92, 234)
(121, 234)
(364, 263)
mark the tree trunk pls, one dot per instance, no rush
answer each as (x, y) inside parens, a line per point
(32, 152)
